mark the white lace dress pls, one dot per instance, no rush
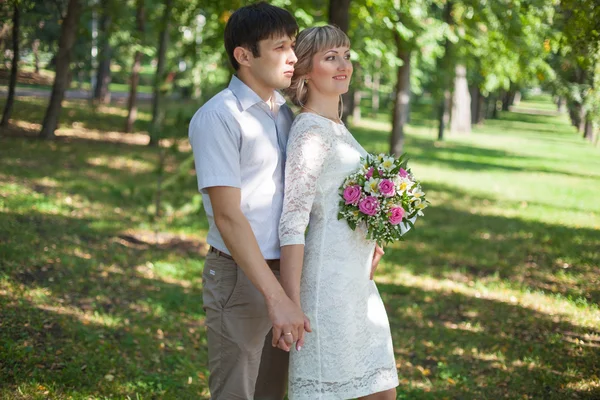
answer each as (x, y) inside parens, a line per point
(350, 352)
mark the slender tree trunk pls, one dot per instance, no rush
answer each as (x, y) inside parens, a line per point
(581, 118)
(588, 130)
(506, 100)
(402, 97)
(135, 71)
(375, 88)
(474, 92)
(61, 80)
(461, 104)
(35, 48)
(103, 77)
(444, 114)
(158, 112)
(495, 107)
(560, 104)
(14, 67)
(480, 117)
(339, 15)
(446, 72)
(356, 116)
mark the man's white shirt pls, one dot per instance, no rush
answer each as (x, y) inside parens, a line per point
(239, 141)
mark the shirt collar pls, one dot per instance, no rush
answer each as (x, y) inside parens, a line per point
(248, 97)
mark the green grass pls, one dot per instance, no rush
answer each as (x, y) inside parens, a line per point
(494, 295)
(113, 87)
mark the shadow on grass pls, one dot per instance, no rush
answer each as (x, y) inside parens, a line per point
(89, 307)
(470, 348)
(83, 114)
(113, 175)
(460, 156)
(455, 244)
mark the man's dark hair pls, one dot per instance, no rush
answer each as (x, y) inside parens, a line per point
(250, 24)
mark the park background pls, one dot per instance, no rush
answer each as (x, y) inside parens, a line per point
(494, 295)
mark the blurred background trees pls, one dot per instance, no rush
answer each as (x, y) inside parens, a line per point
(467, 59)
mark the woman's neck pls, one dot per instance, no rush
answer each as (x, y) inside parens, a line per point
(326, 106)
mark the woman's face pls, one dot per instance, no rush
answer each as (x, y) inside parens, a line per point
(331, 71)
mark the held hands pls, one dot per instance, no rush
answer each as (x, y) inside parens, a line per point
(376, 258)
(289, 324)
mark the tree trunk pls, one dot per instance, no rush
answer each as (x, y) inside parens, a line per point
(35, 48)
(356, 106)
(480, 117)
(581, 118)
(506, 100)
(588, 130)
(474, 92)
(375, 88)
(63, 58)
(516, 98)
(339, 15)
(461, 103)
(446, 69)
(158, 112)
(560, 104)
(103, 77)
(135, 71)
(495, 107)
(444, 114)
(402, 97)
(14, 67)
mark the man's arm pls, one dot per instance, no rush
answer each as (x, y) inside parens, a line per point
(292, 258)
(286, 316)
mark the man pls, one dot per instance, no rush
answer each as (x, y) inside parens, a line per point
(238, 138)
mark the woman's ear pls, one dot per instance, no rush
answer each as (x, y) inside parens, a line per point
(242, 55)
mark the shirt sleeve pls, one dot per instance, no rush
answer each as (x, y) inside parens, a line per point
(307, 151)
(216, 147)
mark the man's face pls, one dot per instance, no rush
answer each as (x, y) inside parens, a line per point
(275, 65)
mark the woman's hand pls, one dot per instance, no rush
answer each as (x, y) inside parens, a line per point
(376, 258)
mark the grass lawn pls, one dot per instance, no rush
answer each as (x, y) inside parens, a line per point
(494, 296)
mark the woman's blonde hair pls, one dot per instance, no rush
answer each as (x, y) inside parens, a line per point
(308, 43)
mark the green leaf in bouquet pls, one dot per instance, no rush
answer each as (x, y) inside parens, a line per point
(352, 224)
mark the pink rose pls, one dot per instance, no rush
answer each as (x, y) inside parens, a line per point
(369, 173)
(402, 173)
(397, 213)
(368, 205)
(352, 194)
(387, 188)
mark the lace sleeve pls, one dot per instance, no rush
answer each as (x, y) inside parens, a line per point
(307, 150)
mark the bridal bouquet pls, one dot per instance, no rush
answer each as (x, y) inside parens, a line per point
(384, 195)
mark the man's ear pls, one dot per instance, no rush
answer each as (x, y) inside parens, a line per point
(242, 55)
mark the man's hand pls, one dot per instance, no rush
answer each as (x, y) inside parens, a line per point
(282, 344)
(376, 258)
(289, 322)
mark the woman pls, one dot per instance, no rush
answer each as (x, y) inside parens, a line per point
(326, 270)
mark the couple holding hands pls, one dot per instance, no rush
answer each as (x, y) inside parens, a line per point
(287, 287)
